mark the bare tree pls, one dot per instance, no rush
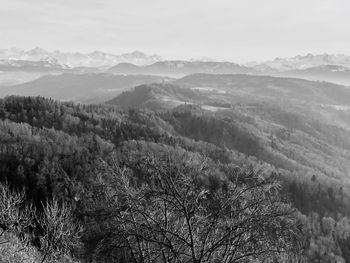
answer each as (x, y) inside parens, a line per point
(15, 215)
(61, 233)
(184, 211)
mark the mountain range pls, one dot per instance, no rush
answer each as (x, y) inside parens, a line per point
(330, 73)
(303, 62)
(77, 59)
(180, 68)
(19, 66)
(103, 59)
(98, 76)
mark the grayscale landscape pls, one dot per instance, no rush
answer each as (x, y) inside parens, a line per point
(174, 131)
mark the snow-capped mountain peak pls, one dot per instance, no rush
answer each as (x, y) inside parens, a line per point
(93, 59)
(306, 61)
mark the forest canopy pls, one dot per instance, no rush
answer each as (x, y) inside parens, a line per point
(173, 186)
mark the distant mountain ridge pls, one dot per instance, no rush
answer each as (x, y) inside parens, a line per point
(303, 62)
(25, 65)
(19, 66)
(321, 67)
(138, 58)
(330, 73)
(324, 67)
(180, 68)
(77, 59)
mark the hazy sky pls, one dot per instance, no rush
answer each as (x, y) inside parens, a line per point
(222, 29)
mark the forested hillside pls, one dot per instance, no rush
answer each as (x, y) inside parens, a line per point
(84, 160)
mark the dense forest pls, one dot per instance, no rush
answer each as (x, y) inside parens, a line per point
(93, 183)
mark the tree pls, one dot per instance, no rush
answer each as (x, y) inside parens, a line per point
(61, 234)
(15, 216)
(181, 210)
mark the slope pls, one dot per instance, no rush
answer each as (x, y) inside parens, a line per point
(78, 87)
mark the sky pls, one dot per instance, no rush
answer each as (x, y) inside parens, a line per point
(231, 30)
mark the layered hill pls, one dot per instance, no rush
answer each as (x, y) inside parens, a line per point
(25, 65)
(90, 87)
(182, 68)
(320, 100)
(18, 66)
(271, 87)
(240, 88)
(156, 97)
(14, 72)
(292, 124)
(330, 73)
